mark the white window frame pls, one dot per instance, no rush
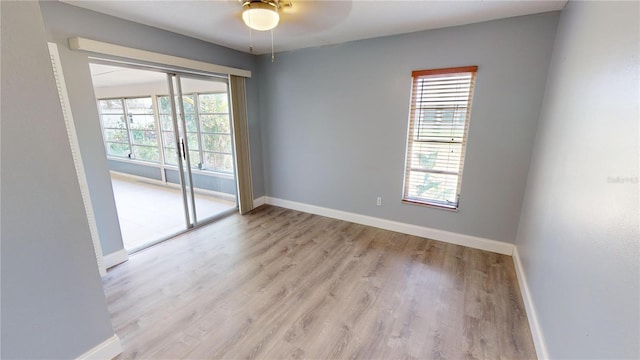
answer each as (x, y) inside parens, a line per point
(428, 96)
(198, 134)
(127, 128)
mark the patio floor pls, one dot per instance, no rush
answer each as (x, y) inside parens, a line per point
(148, 212)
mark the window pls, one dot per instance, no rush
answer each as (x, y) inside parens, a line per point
(166, 124)
(142, 129)
(213, 111)
(129, 128)
(166, 127)
(208, 131)
(437, 136)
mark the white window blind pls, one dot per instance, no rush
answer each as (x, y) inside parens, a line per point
(437, 136)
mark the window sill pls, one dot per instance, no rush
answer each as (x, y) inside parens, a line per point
(134, 161)
(429, 205)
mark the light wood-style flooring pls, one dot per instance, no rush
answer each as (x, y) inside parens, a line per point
(283, 284)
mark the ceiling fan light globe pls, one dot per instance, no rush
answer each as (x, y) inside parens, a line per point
(260, 18)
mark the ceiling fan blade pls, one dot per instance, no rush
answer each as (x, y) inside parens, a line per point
(313, 16)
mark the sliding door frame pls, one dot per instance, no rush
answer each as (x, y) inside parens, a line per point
(187, 185)
(176, 135)
(181, 135)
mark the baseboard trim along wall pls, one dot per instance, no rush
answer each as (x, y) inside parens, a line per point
(435, 234)
(259, 201)
(115, 258)
(532, 316)
(108, 349)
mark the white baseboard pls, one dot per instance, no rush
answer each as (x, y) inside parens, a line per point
(435, 234)
(108, 349)
(536, 331)
(115, 258)
(259, 201)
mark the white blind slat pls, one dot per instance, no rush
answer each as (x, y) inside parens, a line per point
(438, 126)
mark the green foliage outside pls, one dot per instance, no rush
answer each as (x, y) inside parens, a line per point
(214, 135)
(427, 162)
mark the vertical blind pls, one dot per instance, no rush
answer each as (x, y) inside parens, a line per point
(77, 156)
(438, 127)
(241, 143)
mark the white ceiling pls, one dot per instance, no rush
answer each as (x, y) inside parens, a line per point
(312, 23)
(119, 81)
(107, 75)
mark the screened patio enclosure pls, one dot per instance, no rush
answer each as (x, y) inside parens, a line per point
(169, 145)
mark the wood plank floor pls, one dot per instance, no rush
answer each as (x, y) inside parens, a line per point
(282, 284)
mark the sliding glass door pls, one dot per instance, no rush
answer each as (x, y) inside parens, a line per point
(202, 129)
(169, 145)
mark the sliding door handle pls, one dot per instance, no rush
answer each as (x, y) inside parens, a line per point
(184, 153)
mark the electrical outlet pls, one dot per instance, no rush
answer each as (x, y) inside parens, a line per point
(379, 201)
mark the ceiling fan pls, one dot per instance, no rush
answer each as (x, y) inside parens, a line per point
(295, 20)
(262, 15)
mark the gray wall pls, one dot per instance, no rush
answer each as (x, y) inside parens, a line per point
(578, 234)
(200, 181)
(335, 121)
(63, 21)
(150, 172)
(52, 301)
(223, 184)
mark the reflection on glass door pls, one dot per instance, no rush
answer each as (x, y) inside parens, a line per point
(207, 140)
(166, 176)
